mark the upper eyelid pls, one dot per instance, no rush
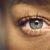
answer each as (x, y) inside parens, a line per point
(26, 18)
(37, 16)
(15, 20)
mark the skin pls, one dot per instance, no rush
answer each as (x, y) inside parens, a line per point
(16, 39)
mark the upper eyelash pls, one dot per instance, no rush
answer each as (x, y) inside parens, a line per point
(22, 21)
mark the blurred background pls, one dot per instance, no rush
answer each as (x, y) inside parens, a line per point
(2, 37)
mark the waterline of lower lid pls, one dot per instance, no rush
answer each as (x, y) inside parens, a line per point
(34, 32)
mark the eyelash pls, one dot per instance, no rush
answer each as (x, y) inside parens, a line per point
(24, 20)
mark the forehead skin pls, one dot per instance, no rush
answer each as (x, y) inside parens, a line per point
(44, 4)
(30, 10)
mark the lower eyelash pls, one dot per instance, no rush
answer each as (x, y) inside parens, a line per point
(31, 32)
(36, 32)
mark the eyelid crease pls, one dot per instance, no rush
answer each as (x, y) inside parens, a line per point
(27, 18)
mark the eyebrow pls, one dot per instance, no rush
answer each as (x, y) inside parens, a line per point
(38, 2)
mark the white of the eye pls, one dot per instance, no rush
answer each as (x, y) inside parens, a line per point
(44, 25)
(28, 26)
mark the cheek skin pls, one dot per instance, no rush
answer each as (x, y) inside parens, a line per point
(15, 40)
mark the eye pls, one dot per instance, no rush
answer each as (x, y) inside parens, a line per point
(33, 25)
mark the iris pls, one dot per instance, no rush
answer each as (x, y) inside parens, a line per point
(36, 23)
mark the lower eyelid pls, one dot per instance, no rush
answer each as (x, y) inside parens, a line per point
(36, 32)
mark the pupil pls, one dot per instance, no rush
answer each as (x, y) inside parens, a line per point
(36, 23)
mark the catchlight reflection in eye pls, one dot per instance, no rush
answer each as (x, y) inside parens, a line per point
(36, 23)
(33, 25)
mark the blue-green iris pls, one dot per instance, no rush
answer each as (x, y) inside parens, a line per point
(36, 24)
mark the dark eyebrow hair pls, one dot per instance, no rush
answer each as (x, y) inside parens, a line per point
(38, 2)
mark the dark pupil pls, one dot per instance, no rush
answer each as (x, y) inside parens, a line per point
(36, 23)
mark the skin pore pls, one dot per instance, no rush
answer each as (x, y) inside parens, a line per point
(18, 40)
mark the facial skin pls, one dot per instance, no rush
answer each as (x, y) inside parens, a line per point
(16, 39)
